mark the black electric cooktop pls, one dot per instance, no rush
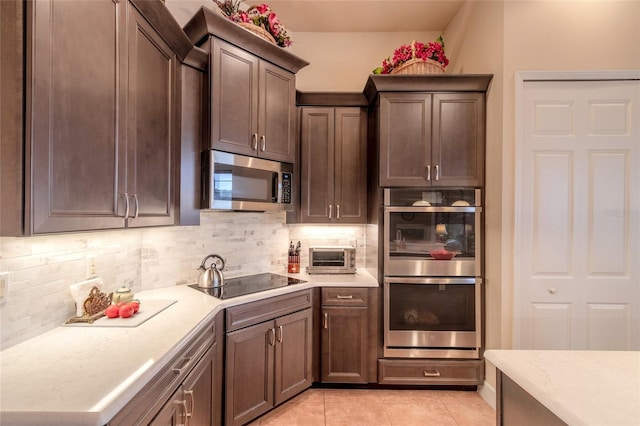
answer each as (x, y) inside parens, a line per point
(234, 287)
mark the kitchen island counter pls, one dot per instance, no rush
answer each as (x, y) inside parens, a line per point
(85, 375)
(578, 387)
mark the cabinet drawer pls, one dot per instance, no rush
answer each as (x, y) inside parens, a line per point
(267, 309)
(344, 296)
(426, 372)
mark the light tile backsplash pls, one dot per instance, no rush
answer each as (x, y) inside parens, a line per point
(41, 268)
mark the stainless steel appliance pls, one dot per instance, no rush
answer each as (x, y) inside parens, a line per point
(240, 286)
(432, 307)
(332, 260)
(237, 182)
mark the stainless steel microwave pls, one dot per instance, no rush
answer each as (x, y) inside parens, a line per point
(332, 260)
(238, 182)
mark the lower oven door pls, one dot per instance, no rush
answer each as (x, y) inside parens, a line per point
(432, 317)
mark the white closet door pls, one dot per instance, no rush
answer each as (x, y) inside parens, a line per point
(578, 217)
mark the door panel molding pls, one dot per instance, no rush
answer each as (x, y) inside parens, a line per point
(605, 288)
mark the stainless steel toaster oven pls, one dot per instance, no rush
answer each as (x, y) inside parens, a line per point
(332, 260)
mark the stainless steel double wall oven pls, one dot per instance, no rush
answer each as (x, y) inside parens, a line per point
(432, 273)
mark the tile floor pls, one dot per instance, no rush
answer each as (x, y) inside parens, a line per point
(381, 407)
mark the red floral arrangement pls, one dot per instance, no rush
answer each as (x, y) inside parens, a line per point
(260, 15)
(415, 50)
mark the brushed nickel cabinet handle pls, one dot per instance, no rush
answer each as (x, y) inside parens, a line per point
(431, 373)
(263, 144)
(184, 363)
(280, 334)
(337, 211)
(344, 297)
(428, 173)
(126, 205)
(326, 320)
(330, 210)
(183, 404)
(272, 336)
(135, 199)
(189, 393)
(254, 141)
(437, 172)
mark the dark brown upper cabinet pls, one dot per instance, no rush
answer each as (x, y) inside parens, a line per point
(252, 104)
(333, 165)
(98, 146)
(430, 129)
(252, 89)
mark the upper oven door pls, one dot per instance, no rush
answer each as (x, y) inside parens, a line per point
(418, 235)
(238, 182)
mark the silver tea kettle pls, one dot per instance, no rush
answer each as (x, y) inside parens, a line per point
(211, 277)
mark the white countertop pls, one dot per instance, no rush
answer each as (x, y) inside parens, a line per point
(580, 387)
(85, 375)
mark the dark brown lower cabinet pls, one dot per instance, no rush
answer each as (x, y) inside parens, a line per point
(515, 406)
(266, 364)
(345, 335)
(192, 403)
(188, 391)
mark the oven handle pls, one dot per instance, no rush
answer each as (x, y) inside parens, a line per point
(434, 281)
(443, 209)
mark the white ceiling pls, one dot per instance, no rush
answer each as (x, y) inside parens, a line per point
(363, 15)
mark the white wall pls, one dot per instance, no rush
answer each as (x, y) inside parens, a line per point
(341, 62)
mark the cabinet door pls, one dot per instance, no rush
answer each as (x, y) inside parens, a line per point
(197, 390)
(234, 98)
(151, 124)
(249, 373)
(458, 139)
(350, 193)
(344, 345)
(277, 113)
(75, 103)
(317, 165)
(405, 139)
(293, 354)
(173, 413)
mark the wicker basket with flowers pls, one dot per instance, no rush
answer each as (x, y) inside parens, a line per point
(259, 19)
(416, 58)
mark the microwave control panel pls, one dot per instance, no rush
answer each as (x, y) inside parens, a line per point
(286, 188)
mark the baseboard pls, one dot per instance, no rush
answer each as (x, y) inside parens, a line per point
(488, 393)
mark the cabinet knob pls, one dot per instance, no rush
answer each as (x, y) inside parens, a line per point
(552, 290)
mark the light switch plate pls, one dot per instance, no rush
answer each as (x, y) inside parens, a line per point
(4, 287)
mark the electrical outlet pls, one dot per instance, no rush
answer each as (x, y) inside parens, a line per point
(4, 287)
(91, 267)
